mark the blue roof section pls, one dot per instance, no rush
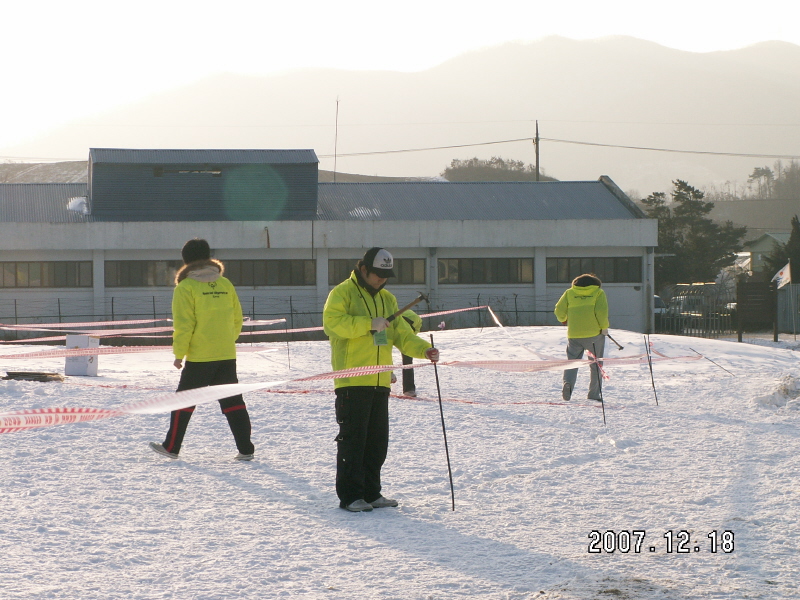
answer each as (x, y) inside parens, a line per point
(201, 157)
(402, 201)
(41, 202)
(490, 201)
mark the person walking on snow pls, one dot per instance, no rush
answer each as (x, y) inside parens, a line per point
(584, 310)
(355, 319)
(207, 320)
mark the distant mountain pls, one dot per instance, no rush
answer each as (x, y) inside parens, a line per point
(619, 91)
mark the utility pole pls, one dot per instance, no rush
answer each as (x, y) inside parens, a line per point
(536, 147)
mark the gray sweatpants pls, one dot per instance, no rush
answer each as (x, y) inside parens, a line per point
(575, 349)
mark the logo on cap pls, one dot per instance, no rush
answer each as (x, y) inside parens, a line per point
(383, 260)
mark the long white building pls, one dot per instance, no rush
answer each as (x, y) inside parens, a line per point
(109, 248)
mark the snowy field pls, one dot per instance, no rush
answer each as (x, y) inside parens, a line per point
(89, 511)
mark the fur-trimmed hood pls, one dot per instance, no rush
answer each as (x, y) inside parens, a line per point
(201, 270)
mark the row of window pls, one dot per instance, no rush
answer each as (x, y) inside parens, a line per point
(37, 274)
(610, 270)
(303, 272)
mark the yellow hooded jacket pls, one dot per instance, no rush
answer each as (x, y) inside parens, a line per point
(206, 313)
(585, 309)
(347, 320)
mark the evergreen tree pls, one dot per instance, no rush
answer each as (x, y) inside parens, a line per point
(788, 252)
(697, 248)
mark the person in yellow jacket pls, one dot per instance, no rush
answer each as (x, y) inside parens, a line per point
(584, 309)
(207, 320)
(355, 319)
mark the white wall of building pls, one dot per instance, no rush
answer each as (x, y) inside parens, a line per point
(630, 304)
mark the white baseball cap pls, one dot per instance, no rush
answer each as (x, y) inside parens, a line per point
(380, 262)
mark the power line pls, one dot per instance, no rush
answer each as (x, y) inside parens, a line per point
(596, 144)
(511, 141)
(706, 152)
(426, 149)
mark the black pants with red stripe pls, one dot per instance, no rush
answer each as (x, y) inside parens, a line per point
(201, 374)
(363, 416)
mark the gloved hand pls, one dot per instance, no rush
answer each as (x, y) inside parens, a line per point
(432, 354)
(379, 324)
(604, 332)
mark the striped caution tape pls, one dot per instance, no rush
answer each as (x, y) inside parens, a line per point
(87, 324)
(138, 333)
(106, 350)
(31, 419)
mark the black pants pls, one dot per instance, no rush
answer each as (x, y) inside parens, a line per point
(201, 374)
(408, 375)
(363, 416)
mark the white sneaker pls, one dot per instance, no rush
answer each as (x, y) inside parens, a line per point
(382, 502)
(410, 393)
(241, 456)
(161, 450)
(358, 506)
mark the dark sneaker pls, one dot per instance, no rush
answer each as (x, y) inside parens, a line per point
(382, 502)
(161, 450)
(241, 456)
(566, 391)
(358, 506)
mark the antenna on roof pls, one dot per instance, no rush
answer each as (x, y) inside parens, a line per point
(536, 148)
(335, 139)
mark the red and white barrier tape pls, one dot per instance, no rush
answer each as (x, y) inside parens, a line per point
(249, 323)
(87, 324)
(135, 332)
(31, 419)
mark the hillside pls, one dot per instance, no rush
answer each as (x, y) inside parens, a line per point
(76, 172)
(619, 91)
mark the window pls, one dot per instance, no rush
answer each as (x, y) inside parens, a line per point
(46, 274)
(410, 271)
(485, 270)
(289, 272)
(626, 269)
(141, 273)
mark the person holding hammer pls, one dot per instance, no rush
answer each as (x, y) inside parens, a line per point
(360, 319)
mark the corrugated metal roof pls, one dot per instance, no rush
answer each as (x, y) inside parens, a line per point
(443, 201)
(41, 203)
(403, 201)
(202, 157)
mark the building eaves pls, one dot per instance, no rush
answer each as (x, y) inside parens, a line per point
(201, 157)
(444, 201)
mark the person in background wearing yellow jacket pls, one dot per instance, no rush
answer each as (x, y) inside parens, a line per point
(207, 320)
(584, 309)
(355, 319)
(409, 387)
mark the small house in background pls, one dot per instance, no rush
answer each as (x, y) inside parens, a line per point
(760, 248)
(108, 248)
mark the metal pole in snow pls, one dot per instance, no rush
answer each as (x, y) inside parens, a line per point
(599, 382)
(650, 364)
(444, 432)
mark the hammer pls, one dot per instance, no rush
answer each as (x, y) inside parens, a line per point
(411, 304)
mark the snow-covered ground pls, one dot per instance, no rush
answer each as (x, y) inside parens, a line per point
(89, 511)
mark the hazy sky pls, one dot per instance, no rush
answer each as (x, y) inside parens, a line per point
(66, 60)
